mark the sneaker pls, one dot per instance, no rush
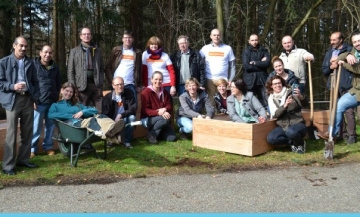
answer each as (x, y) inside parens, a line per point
(301, 149)
(49, 152)
(151, 139)
(128, 145)
(294, 148)
(351, 140)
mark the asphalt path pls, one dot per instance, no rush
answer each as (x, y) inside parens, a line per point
(295, 189)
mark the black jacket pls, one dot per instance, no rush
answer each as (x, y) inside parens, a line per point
(255, 74)
(196, 65)
(292, 79)
(109, 106)
(346, 76)
(49, 82)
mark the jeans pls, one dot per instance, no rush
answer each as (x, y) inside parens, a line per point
(129, 130)
(133, 89)
(180, 89)
(293, 133)
(40, 114)
(159, 127)
(185, 124)
(345, 102)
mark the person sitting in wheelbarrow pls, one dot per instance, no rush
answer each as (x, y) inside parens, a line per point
(70, 111)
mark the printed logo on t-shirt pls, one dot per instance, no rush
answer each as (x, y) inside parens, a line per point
(154, 61)
(128, 57)
(217, 54)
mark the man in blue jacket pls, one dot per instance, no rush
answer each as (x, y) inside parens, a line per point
(19, 90)
(48, 75)
(329, 66)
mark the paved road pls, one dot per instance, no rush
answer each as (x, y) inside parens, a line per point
(304, 189)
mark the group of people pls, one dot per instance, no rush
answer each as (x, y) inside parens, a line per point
(204, 81)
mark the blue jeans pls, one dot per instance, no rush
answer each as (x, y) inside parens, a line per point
(133, 89)
(293, 133)
(345, 102)
(185, 124)
(180, 89)
(129, 130)
(40, 114)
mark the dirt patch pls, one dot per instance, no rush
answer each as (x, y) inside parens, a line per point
(193, 163)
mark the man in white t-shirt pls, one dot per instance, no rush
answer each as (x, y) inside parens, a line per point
(219, 62)
(125, 62)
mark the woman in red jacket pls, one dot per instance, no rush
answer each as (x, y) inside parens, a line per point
(156, 110)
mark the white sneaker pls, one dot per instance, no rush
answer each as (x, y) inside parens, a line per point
(135, 123)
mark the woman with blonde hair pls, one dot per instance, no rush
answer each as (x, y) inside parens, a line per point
(155, 59)
(192, 103)
(221, 95)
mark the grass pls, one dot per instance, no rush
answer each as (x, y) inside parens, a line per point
(167, 158)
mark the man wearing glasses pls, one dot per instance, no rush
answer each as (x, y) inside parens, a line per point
(125, 62)
(120, 104)
(86, 70)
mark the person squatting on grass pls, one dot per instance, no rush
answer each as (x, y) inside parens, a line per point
(221, 95)
(192, 103)
(285, 105)
(69, 110)
(243, 106)
(120, 104)
(156, 110)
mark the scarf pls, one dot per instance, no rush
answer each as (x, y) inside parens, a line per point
(276, 100)
(89, 57)
(155, 55)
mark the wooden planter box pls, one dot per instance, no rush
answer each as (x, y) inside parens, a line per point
(321, 119)
(238, 138)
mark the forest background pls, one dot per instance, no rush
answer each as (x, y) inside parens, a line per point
(56, 22)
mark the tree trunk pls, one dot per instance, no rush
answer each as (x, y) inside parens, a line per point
(219, 17)
(55, 31)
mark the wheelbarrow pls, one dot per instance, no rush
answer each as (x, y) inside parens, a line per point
(74, 138)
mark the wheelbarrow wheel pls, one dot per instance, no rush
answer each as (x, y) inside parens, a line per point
(64, 148)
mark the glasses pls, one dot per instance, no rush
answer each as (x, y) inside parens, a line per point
(232, 86)
(278, 83)
(118, 85)
(85, 33)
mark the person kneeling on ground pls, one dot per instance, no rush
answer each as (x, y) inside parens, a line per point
(221, 95)
(156, 110)
(285, 105)
(69, 110)
(120, 105)
(243, 106)
(192, 103)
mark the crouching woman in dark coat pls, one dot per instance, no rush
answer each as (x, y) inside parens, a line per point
(285, 105)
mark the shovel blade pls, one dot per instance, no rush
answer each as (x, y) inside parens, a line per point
(329, 150)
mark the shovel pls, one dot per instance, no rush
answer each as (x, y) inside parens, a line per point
(329, 145)
(312, 130)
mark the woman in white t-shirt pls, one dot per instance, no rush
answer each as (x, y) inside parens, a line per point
(155, 59)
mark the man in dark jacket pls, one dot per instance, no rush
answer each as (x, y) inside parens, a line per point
(187, 63)
(86, 70)
(48, 75)
(256, 60)
(330, 65)
(19, 90)
(125, 62)
(120, 104)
